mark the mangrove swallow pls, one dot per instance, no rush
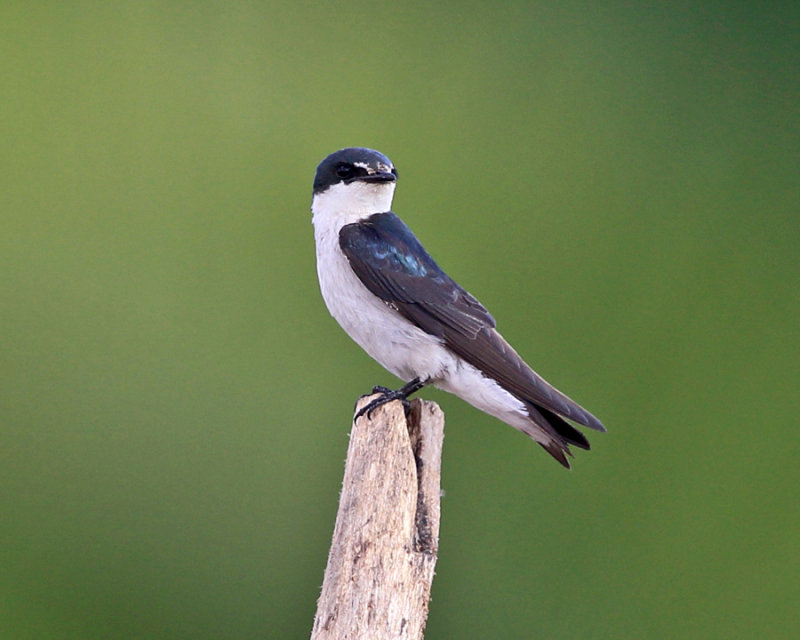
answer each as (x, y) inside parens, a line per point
(389, 295)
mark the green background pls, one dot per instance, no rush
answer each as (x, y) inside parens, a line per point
(619, 183)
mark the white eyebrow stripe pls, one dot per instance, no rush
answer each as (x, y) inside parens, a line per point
(370, 170)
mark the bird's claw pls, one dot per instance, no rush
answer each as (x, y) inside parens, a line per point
(384, 398)
(381, 389)
(387, 395)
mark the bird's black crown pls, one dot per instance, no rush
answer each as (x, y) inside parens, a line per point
(351, 164)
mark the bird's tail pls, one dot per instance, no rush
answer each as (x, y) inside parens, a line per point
(560, 433)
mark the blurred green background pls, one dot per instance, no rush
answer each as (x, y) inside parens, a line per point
(619, 183)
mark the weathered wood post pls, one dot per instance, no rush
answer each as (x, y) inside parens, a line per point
(381, 563)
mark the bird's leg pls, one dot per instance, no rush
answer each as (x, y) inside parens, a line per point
(387, 395)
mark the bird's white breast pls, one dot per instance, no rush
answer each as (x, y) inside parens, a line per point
(383, 333)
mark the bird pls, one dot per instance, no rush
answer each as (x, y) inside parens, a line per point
(390, 296)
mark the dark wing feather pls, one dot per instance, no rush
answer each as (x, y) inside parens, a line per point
(490, 353)
(393, 265)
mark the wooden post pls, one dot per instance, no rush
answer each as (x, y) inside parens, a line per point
(381, 563)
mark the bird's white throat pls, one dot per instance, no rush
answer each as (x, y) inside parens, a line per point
(343, 204)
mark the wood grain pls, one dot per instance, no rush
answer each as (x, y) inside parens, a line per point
(381, 563)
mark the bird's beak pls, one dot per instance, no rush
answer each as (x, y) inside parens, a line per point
(378, 176)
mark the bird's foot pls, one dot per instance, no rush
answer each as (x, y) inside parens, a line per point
(379, 389)
(388, 395)
(385, 397)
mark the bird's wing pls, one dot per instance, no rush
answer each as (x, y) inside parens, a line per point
(393, 265)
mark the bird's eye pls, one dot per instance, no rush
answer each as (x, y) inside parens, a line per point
(345, 171)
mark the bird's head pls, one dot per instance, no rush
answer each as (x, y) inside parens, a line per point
(355, 182)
